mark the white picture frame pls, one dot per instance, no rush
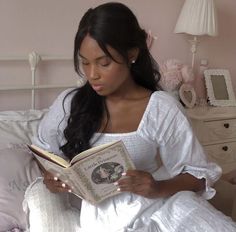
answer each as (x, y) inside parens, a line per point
(187, 95)
(219, 87)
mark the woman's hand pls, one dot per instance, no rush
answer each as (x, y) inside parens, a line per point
(138, 182)
(53, 183)
(142, 183)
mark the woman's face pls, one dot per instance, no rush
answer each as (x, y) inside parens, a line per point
(106, 76)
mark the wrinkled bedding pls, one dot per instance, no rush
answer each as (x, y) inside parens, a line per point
(15, 230)
(16, 129)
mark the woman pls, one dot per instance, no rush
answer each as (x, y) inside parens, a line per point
(120, 100)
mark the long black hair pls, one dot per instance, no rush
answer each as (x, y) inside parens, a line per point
(112, 24)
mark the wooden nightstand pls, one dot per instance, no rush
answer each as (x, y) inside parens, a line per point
(215, 128)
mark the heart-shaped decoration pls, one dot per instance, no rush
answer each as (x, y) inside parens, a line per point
(187, 95)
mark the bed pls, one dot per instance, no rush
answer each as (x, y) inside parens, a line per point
(17, 128)
(17, 167)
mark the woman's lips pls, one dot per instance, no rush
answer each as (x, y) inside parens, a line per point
(97, 87)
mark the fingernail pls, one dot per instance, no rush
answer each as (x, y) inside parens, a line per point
(69, 191)
(55, 178)
(116, 183)
(63, 185)
(123, 174)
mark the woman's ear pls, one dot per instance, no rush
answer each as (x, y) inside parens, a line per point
(133, 55)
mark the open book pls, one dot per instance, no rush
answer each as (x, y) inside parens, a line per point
(91, 173)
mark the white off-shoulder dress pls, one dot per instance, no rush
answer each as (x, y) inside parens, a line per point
(164, 131)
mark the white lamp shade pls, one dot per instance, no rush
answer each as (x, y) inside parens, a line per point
(197, 17)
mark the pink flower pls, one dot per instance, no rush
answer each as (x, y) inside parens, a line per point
(173, 74)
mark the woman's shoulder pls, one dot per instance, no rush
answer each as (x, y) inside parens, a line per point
(66, 94)
(164, 109)
(164, 101)
(164, 114)
(63, 100)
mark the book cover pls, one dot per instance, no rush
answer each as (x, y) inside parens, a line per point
(90, 174)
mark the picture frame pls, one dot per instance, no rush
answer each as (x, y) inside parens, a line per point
(187, 95)
(219, 87)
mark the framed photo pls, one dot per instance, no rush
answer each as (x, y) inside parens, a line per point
(187, 95)
(219, 87)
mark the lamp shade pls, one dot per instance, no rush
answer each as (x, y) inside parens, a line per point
(197, 17)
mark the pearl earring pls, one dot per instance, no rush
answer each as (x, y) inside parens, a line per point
(133, 61)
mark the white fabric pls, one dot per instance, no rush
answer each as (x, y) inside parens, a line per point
(17, 170)
(18, 126)
(163, 127)
(49, 212)
(198, 17)
(183, 212)
(17, 167)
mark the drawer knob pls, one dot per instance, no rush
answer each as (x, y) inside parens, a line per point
(225, 148)
(226, 125)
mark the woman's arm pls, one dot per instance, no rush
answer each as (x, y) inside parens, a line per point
(181, 182)
(142, 183)
(50, 131)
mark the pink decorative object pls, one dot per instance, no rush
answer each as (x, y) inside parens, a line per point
(150, 39)
(174, 73)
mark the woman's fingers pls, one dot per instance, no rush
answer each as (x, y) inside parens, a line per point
(138, 182)
(54, 184)
(135, 177)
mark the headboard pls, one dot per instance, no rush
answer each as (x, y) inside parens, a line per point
(34, 59)
(30, 74)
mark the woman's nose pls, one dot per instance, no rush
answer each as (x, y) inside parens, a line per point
(93, 72)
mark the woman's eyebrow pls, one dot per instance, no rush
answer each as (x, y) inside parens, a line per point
(98, 58)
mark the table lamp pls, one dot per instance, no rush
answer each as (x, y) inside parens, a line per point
(197, 17)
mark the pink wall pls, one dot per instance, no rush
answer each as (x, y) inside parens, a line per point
(48, 27)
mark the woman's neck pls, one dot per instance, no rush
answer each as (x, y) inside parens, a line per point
(133, 93)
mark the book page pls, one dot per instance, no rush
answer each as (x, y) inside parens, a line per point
(66, 175)
(62, 162)
(49, 156)
(91, 151)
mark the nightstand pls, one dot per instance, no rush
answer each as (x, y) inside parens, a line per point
(215, 128)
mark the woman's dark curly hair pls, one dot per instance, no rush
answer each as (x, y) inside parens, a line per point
(115, 25)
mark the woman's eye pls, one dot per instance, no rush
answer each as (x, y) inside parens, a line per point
(85, 63)
(104, 63)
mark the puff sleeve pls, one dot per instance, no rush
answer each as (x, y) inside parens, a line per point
(180, 149)
(50, 131)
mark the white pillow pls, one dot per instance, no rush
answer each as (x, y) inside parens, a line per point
(17, 167)
(19, 126)
(49, 212)
(17, 170)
